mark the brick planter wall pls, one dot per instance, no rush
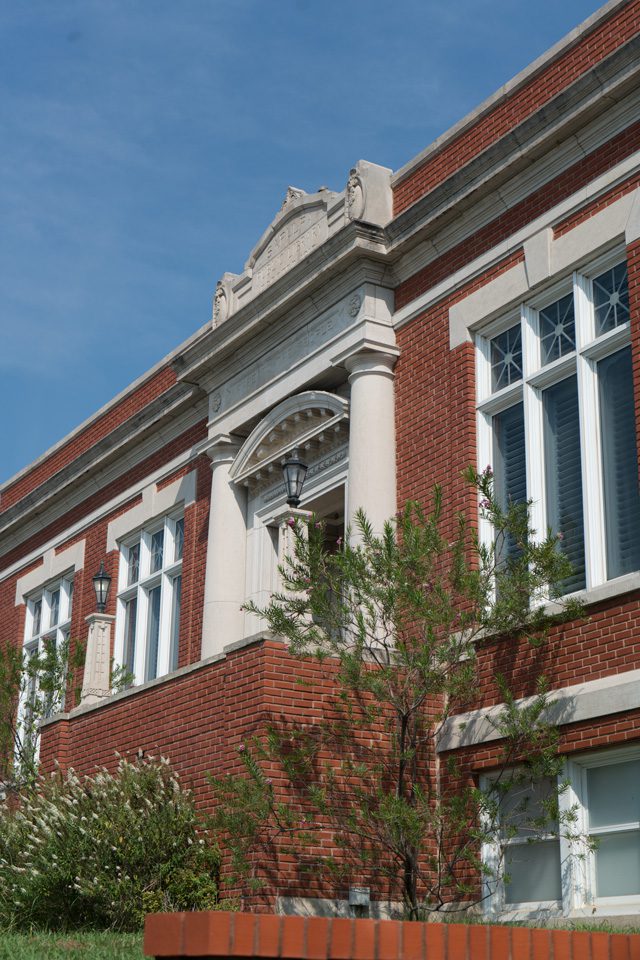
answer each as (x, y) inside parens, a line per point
(246, 935)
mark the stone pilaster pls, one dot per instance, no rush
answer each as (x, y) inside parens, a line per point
(96, 683)
(224, 590)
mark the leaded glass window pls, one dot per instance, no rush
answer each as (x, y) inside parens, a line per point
(557, 422)
(506, 358)
(611, 298)
(557, 329)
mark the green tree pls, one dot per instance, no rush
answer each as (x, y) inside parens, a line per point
(33, 687)
(400, 620)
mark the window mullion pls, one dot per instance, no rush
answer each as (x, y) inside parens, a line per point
(164, 635)
(45, 614)
(485, 456)
(534, 447)
(573, 818)
(118, 643)
(534, 426)
(145, 555)
(123, 568)
(141, 635)
(592, 490)
(63, 614)
(590, 445)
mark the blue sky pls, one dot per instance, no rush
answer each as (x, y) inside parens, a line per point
(147, 144)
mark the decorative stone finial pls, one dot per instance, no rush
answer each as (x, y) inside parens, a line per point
(293, 193)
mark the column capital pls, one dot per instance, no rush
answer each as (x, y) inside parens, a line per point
(99, 618)
(223, 448)
(365, 361)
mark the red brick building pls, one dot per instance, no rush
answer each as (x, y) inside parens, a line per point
(479, 305)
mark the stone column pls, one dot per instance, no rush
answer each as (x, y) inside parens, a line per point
(224, 584)
(96, 682)
(372, 439)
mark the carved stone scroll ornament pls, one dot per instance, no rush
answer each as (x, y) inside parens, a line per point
(220, 304)
(355, 198)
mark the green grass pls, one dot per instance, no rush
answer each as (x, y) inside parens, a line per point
(71, 946)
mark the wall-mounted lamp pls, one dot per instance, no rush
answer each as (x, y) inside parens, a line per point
(294, 471)
(101, 584)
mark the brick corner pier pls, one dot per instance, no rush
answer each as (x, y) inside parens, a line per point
(247, 935)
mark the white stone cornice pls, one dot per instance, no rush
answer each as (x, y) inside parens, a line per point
(580, 701)
(155, 503)
(121, 450)
(481, 264)
(103, 511)
(353, 256)
(591, 94)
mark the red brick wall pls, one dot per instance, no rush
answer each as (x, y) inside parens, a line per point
(435, 402)
(436, 434)
(147, 466)
(546, 197)
(604, 200)
(95, 537)
(198, 720)
(521, 103)
(436, 437)
(126, 408)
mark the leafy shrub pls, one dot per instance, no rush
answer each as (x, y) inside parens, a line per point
(102, 851)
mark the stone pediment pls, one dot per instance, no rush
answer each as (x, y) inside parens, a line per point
(303, 223)
(300, 226)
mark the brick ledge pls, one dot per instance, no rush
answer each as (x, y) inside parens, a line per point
(246, 935)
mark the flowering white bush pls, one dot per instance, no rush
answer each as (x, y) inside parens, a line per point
(102, 851)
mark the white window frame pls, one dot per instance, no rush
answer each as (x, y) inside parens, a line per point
(577, 860)
(582, 361)
(494, 893)
(165, 577)
(35, 639)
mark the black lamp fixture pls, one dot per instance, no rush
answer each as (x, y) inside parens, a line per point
(101, 584)
(294, 471)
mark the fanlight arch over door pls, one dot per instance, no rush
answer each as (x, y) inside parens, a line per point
(312, 422)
